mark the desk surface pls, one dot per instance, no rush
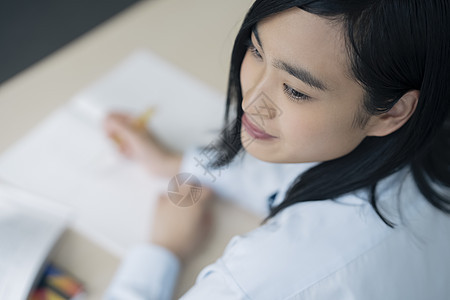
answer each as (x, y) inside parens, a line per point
(197, 36)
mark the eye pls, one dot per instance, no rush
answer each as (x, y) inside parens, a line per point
(251, 47)
(255, 52)
(293, 94)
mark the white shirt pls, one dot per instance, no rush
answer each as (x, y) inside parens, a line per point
(333, 249)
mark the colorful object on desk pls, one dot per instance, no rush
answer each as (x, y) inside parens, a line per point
(57, 285)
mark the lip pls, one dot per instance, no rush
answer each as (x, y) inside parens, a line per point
(254, 130)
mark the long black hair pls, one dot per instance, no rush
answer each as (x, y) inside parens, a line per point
(394, 46)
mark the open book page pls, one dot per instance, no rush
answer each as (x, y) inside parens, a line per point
(188, 112)
(75, 164)
(29, 228)
(69, 159)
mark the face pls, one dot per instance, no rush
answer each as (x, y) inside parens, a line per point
(299, 100)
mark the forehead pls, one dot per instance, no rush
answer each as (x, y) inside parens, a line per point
(309, 41)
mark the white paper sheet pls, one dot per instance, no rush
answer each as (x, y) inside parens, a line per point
(69, 159)
(188, 112)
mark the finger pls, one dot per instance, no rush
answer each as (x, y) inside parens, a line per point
(119, 116)
(119, 128)
(114, 121)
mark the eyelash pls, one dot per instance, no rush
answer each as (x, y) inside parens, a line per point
(293, 95)
(253, 49)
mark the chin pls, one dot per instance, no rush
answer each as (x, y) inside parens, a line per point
(275, 156)
(266, 156)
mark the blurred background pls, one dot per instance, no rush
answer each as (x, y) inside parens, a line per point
(31, 30)
(53, 49)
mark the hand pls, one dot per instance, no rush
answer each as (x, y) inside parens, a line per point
(182, 230)
(137, 143)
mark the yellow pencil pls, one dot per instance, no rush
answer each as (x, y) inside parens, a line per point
(140, 122)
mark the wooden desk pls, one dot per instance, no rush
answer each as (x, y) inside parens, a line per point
(196, 35)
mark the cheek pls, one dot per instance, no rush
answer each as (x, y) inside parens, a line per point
(319, 134)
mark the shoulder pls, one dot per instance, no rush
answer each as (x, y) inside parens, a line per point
(337, 249)
(344, 245)
(302, 245)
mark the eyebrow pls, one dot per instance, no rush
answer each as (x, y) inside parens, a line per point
(256, 33)
(298, 72)
(301, 74)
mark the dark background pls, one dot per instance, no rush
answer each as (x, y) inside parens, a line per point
(33, 29)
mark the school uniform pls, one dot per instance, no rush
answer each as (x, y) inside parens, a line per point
(332, 249)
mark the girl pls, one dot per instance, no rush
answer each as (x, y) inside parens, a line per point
(342, 108)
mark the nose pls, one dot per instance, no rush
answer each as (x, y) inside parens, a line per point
(258, 84)
(257, 103)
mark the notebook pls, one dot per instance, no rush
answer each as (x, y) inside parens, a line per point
(29, 228)
(68, 157)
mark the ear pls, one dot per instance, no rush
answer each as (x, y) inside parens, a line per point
(396, 117)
